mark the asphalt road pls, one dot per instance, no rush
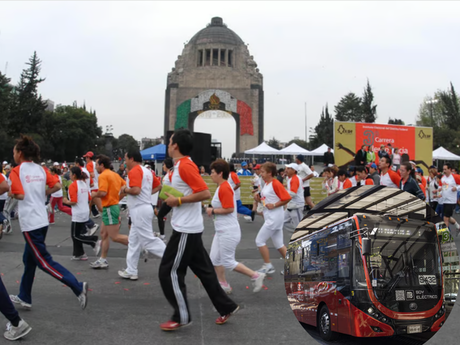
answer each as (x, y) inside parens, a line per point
(121, 311)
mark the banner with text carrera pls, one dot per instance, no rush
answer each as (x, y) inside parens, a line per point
(414, 143)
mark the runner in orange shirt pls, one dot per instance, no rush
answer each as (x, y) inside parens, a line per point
(110, 184)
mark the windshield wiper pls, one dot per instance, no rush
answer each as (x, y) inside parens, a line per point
(397, 278)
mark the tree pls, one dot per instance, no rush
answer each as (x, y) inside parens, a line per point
(6, 142)
(369, 110)
(28, 106)
(395, 121)
(324, 130)
(426, 110)
(349, 108)
(275, 143)
(451, 108)
(300, 142)
(124, 143)
(70, 132)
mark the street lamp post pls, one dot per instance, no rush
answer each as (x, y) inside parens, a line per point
(431, 102)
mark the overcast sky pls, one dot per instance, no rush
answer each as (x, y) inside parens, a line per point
(115, 56)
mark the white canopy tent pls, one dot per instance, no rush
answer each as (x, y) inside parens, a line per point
(442, 154)
(263, 149)
(320, 150)
(294, 149)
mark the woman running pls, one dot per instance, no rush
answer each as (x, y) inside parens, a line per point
(28, 185)
(56, 198)
(273, 197)
(79, 198)
(228, 232)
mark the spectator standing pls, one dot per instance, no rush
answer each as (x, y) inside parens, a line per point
(328, 157)
(370, 155)
(374, 174)
(361, 156)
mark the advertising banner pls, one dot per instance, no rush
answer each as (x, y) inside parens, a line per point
(414, 143)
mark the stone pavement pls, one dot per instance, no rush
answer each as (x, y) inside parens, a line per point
(121, 311)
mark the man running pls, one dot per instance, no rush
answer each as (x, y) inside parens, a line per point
(110, 184)
(185, 247)
(140, 186)
(449, 195)
(305, 175)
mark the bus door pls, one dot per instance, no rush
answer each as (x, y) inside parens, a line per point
(343, 290)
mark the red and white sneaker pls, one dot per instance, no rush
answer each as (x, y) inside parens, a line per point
(172, 326)
(223, 319)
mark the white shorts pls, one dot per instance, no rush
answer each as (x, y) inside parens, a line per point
(223, 249)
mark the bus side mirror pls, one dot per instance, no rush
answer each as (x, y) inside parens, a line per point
(366, 246)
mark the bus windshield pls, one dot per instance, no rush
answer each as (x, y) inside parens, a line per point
(404, 266)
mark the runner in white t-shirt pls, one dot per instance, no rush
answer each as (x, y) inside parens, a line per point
(79, 196)
(228, 232)
(140, 185)
(273, 196)
(28, 185)
(293, 214)
(449, 195)
(91, 167)
(185, 247)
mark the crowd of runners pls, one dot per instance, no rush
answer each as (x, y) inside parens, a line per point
(31, 193)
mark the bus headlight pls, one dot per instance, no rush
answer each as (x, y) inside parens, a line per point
(370, 311)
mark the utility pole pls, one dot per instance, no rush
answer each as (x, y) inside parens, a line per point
(306, 128)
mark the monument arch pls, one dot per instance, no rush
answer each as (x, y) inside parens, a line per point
(216, 72)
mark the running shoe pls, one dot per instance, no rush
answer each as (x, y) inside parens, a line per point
(97, 215)
(163, 238)
(7, 228)
(172, 326)
(226, 287)
(93, 230)
(51, 223)
(97, 248)
(17, 300)
(14, 333)
(223, 319)
(156, 234)
(145, 255)
(267, 269)
(83, 298)
(126, 275)
(83, 257)
(282, 272)
(258, 282)
(99, 263)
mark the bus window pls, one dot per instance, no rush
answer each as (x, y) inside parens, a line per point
(344, 264)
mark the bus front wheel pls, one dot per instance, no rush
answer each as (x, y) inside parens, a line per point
(325, 324)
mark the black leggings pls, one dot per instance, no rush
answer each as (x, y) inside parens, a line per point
(78, 240)
(164, 210)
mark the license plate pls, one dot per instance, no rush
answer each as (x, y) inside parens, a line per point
(414, 329)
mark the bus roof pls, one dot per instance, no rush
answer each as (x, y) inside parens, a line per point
(377, 200)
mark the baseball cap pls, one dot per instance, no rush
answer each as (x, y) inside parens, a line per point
(257, 167)
(56, 164)
(43, 163)
(300, 158)
(89, 154)
(419, 170)
(373, 166)
(8, 167)
(5, 162)
(292, 166)
(433, 166)
(244, 164)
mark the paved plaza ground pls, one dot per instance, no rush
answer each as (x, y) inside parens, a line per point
(129, 312)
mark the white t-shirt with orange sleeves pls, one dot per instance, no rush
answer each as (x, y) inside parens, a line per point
(295, 190)
(271, 194)
(167, 178)
(79, 193)
(234, 180)
(225, 198)
(390, 179)
(3, 196)
(186, 178)
(58, 194)
(143, 178)
(89, 179)
(91, 167)
(31, 179)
